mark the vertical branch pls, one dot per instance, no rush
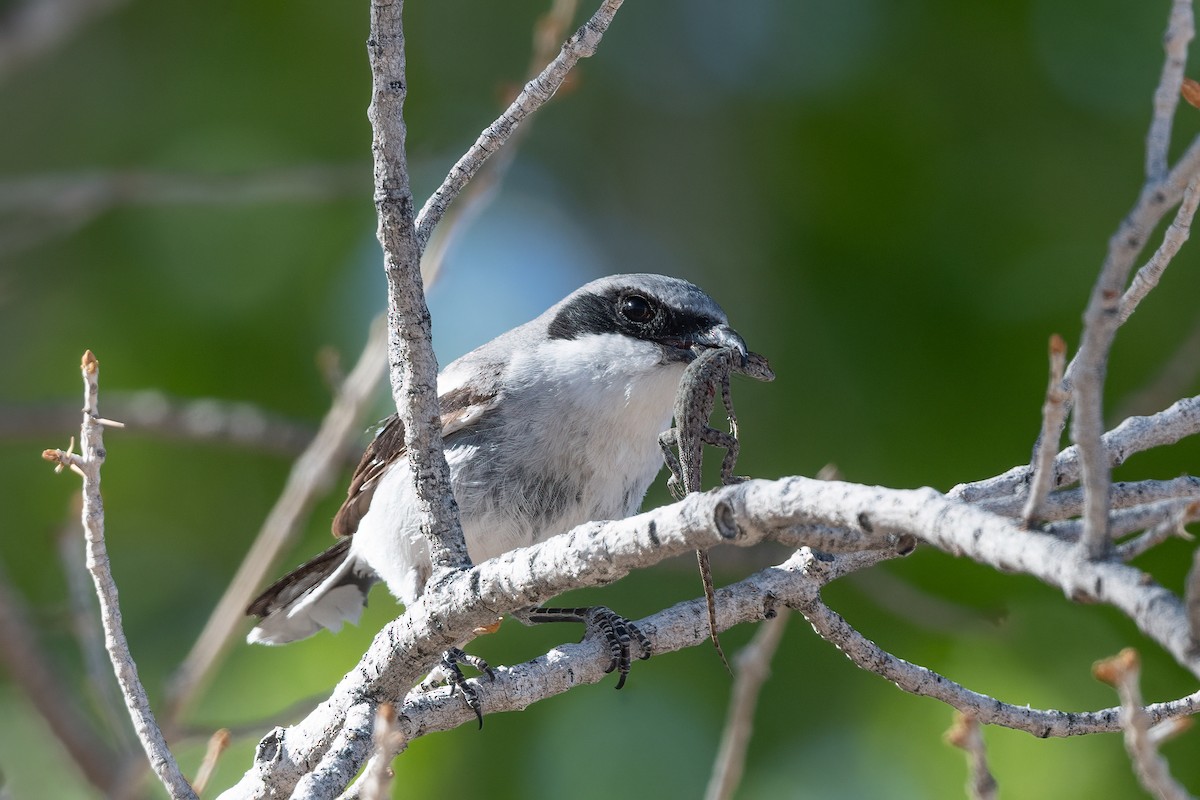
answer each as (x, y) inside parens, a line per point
(413, 366)
(753, 669)
(582, 44)
(1122, 672)
(1180, 30)
(1053, 412)
(967, 735)
(87, 465)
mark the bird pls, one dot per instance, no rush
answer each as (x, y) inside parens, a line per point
(550, 425)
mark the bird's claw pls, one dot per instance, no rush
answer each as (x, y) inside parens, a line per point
(619, 633)
(449, 673)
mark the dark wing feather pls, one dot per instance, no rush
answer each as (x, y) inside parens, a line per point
(304, 577)
(461, 409)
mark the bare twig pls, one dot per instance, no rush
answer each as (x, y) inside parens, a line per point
(1180, 30)
(217, 743)
(753, 667)
(1148, 276)
(1122, 672)
(85, 614)
(967, 735)
(1134, 435)
(1173, 525)
(88, 464)
(413, 366)
(1174, 513)
(1125, 494)
(376, 780)
(1053, 412)
(311, 476)
(539, 90)
(1102, 316)
(483, 188)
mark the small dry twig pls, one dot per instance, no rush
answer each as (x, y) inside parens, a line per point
(1122, 672)
(88, 464)
(1053, 412)
(753, 669)
(967, 734)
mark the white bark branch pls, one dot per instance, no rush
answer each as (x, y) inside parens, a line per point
(582, 44)
(1134, 435)
(413, 366)
(745, 514)
(88, 464)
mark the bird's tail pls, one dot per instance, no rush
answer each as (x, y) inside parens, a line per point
(321, 593)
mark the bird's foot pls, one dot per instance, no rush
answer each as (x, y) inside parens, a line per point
(449, 673)
(618, 632)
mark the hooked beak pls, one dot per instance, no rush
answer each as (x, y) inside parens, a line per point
(720, 336)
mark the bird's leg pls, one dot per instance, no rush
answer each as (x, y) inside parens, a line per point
(618, 632)
(449, 673)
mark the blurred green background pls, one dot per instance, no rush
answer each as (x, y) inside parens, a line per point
(896, 202)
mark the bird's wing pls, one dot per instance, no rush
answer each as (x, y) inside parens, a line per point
(462, 409)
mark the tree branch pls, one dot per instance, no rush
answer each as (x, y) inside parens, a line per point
(582, 44)
(742, 515)
(88, 466)
(413, 366)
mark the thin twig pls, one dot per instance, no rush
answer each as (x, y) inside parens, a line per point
(1122, 672)
(484, 187)
(967, 735)
(1053, 412)
(539, 90)
(1175, 513)
(311, 476)
(1180, 30)
(413, 366)
(1172, 526)
(217, 744)
(1151, 272)
(753, 667)
(88, 464)
(375, 782)
(1134, 435)
(1102, 316)
(1125, 494)
(85, 614)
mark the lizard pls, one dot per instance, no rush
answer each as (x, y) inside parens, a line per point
(694, 403)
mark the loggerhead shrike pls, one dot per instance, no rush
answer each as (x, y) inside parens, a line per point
(546, 427)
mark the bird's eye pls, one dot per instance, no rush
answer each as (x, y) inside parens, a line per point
(636, 308)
